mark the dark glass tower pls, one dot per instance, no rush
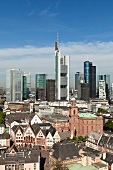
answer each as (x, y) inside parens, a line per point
(87, 72)
(90, 77)
(24, 87)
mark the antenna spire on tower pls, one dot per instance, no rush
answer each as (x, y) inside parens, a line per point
(56, 43)
(57, 36)
(87, 56)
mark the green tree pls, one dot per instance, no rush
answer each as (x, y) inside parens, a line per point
(100, 110)
(109, 125)
(2, 118)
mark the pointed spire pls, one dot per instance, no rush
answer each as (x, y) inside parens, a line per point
(56, 43)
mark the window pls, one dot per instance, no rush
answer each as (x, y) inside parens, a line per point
(74, 112)
(34, 166)
(82, 129)
(92, 128)
(87, 129)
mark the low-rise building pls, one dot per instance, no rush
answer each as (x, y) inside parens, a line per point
(81, 124)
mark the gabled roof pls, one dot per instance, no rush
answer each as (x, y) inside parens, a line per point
(35, 128)
(110, 142)
(109, 158)
(65, 150)
(16, 127)
(13, 147)
(103, 141)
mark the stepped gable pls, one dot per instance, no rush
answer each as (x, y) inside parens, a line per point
(65, 149)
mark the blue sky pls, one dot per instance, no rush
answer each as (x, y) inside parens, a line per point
(28, 31)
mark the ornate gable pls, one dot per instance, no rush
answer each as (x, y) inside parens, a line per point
(40, 134)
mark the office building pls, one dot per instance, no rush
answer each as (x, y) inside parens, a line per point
(85, 91)
(102, 92)
(40, 85)
(90, 77)
(61, 75)
(50, 90)
(106, 78)
(14, 85)
(24, 97)
(79, 79)
(92, 81)
(28, 82)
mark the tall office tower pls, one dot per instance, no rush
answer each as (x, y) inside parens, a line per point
(79, 79)
(24, 96)
(14, 85)
(28, 83)
(85, 91)
(90, 77)
(106, 78)
(102, 92)
(40, 85)
(92, 81)
(87, 72)
(61, 75)
(50, 90)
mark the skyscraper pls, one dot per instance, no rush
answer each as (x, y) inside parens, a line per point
(61, 75)
(102, 92)
(106, 78)
(14, 86)
(90, 77)
(40, 85)
(50, 90)
(87, 72)
(79, 79)
(24, 88)
(28, 82)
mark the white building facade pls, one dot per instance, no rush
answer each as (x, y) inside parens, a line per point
(102, 91)
(61, 75)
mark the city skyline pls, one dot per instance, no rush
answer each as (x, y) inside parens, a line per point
(29, 29)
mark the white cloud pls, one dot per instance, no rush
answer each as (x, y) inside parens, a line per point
(42, 60)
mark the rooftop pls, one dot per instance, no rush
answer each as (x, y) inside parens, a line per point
(78, 166)
(86, 115)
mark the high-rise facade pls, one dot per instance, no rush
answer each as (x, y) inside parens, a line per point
(102, 92)
(40, 85)
(106, 78)
(24, 88)
(28, 82)
(50, 90)
(14, 88)
(61, 75)
(79, 79)
(87, 72)
(90, 77)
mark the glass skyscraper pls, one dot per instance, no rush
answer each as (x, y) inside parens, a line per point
(87, 72)
(90, 77)
(14, 85)
(40, 83)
